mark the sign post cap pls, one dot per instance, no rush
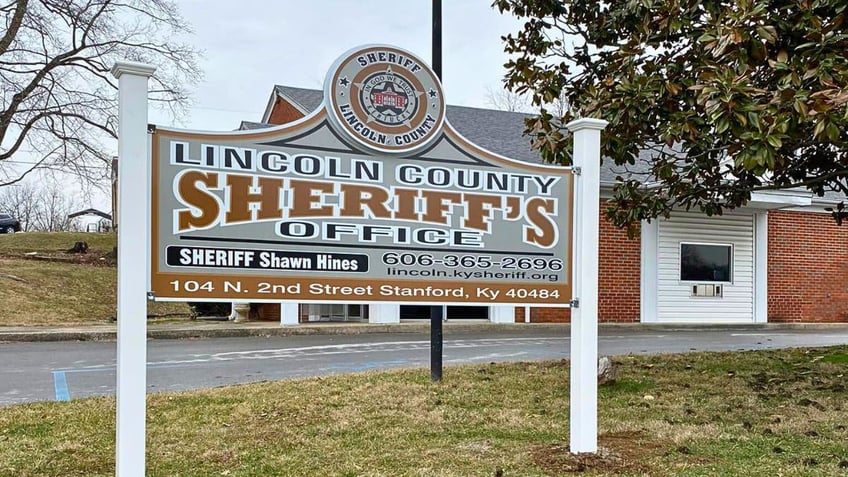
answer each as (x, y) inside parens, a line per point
(132, 68)
(587, 123)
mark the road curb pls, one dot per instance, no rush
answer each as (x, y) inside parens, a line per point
(234, 330)
(237, 330)
(57, 335)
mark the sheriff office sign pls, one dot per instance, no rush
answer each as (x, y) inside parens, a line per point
(372, 198)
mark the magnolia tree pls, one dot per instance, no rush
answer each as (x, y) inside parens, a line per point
(707, 101)
(59, 102)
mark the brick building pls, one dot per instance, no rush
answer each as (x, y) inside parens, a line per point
(779, 259)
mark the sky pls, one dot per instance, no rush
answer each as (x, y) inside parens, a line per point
(251, 45)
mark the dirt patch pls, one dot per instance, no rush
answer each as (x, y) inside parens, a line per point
(777, 385)
(618, 452)
(91, 258)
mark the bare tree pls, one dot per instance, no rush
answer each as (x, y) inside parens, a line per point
(506, 100)
(52, 210)
(21, 201)
(558, 107)
(41, 208)
(59, 101)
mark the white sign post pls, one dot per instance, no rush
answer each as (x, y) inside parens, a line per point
(133, 263)
(584, 311)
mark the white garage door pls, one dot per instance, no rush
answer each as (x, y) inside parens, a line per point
(675, 300)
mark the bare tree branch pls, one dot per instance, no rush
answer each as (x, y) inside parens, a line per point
(14, 25)
(58, 100)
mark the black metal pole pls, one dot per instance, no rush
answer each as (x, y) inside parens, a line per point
(437, 38)
(436, 343)
(436, 314)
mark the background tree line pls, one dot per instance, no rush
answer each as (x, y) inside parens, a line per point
(42, 208)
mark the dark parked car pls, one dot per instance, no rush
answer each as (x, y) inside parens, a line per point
(9, 224)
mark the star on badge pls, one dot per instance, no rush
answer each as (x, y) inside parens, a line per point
(432, 93)
(343, 81)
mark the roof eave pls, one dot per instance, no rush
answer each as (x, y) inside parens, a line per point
(779, 199)
(825, 202)
(270, 106)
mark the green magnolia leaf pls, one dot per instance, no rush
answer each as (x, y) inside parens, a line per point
(722, 125)
(832, 132)
(820, 127)
(767, 33)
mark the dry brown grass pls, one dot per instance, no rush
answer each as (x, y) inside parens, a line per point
(60, 293)
(47, 242)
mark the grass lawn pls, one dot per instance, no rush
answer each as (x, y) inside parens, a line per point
(58, 293)
(764, 413)
(45, 242)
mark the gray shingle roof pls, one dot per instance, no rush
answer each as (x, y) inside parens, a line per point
(248, 125)
(305, 99)
(498, 131)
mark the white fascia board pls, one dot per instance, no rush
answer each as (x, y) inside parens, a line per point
(267, 114)
(816, 208)
(779, 199)
(823, 202)
(761, 200)
(606, 189)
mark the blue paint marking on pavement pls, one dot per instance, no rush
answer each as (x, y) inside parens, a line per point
(60, 383)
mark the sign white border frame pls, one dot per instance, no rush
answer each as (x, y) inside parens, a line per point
(134, 275)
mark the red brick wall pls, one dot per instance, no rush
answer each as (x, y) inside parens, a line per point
(283, 112)
(807, 268)
(550, 315)
(619, 275)
(272, 311)
(268, 311)
(618, 280)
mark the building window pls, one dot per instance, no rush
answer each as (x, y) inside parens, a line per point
(701, 262)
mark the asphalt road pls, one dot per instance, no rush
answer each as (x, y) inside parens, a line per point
(70, 370)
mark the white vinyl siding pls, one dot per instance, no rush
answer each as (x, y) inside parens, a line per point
(674, 301)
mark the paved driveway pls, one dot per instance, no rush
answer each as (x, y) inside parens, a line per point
(70, 370)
